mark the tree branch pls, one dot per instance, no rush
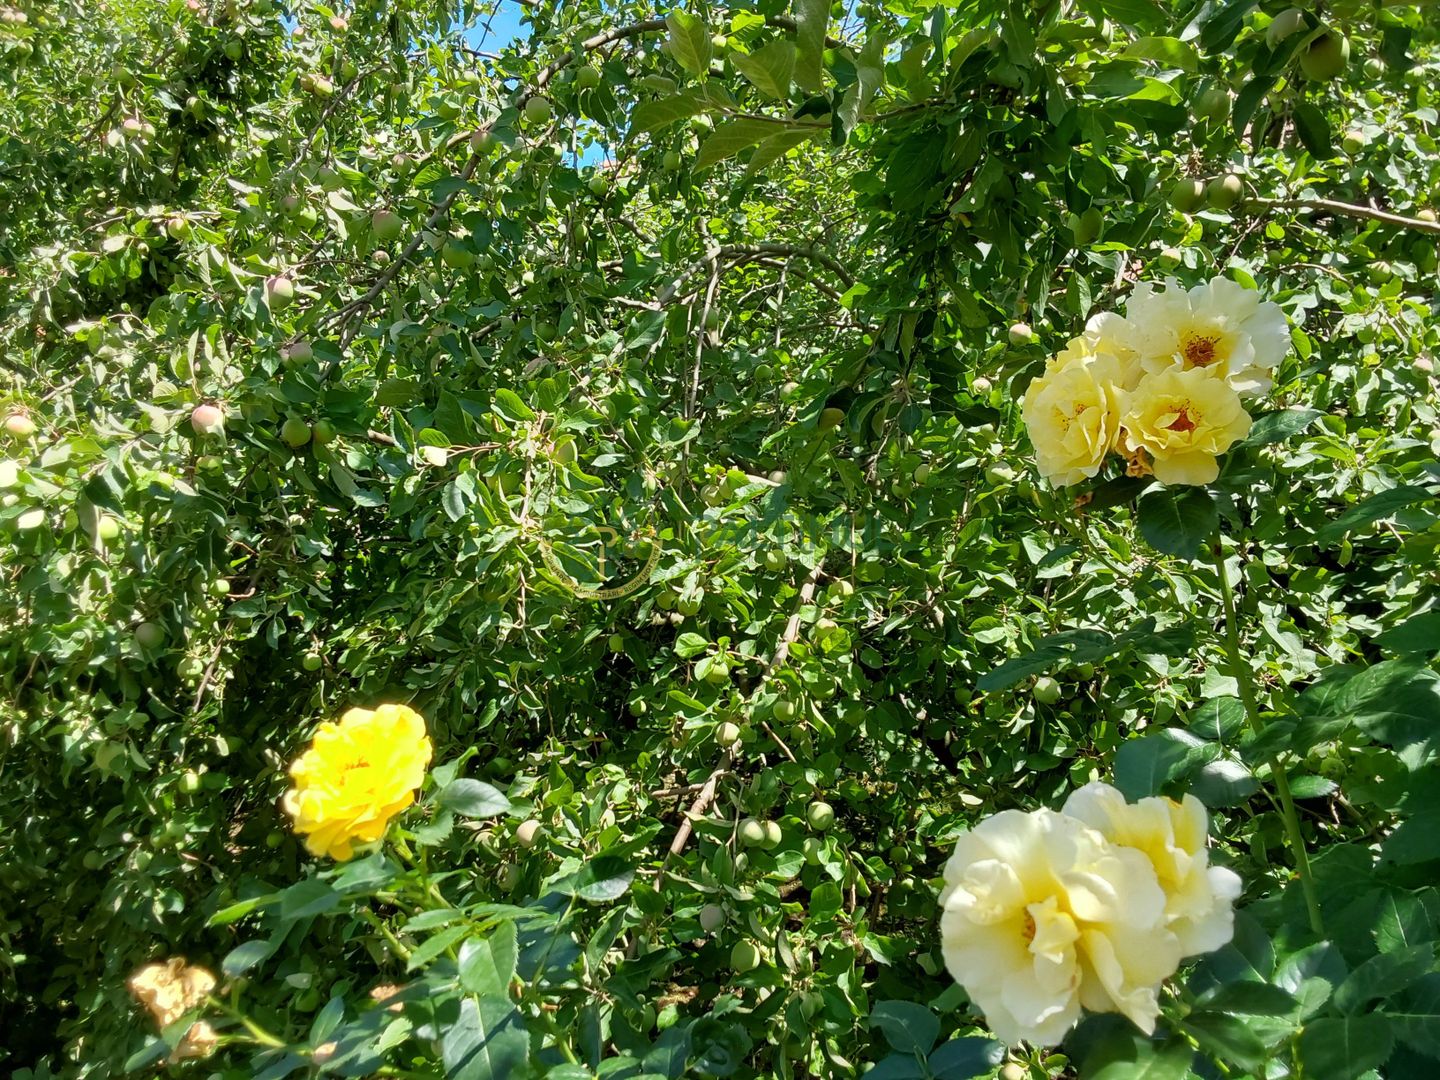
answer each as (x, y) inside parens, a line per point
(1344, 209)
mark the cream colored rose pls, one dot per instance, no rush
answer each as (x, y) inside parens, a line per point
(1183, 419)
(1219, 326)
(1072, 413)
(1040, 915)
(1199, 898)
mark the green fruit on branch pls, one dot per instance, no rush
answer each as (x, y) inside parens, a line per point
(727, 734)
(1326, 56)
(295, 432)
(712, 917)
(312, 661)
(752, 833)
(386, 226)
(774, 560)
(219, 587)
(323, 432)
(1224, 191)
(107, 528)
(718, 672)
(19, 425)
(773, 835)
(149, 635)
(1046, 690)
(1288, 22)
(784, 710)
(1021, 334)
(1353, 141)
(1086, 228)
(537, 110)
(821, 816)
(177, 228)
(830, 419)
(745, 956)
(1213, 105)
(279, 292)
(297, 352)
(671, 161)
(587, 78)
(529, 833)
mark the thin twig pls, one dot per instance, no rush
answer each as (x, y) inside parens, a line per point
(1344, 209)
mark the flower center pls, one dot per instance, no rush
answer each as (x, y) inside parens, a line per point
(1028, 933)
(1182, 421)
(1201, 351)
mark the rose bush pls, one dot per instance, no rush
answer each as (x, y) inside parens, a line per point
(639, 395)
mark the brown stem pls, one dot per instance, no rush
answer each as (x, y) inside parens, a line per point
(1344, 209)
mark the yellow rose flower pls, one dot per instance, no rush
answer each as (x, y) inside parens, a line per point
(1072, 413)
(1219, 326)
(1183, 419)
(171, 989)
(1199, 898)
(1041, 915)
(357, 775)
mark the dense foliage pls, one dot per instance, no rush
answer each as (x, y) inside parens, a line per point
(639, 403)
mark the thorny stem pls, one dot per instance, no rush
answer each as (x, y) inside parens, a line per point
(1243, 676)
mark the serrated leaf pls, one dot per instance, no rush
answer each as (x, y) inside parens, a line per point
(689, 41)
(1178, 521)
(488, 965)
(908, 1027)
(1145, 765)
(733, 136)
(775, 147)
(1341, 1048)
(487, 1041)
(812, 18)
(1167, 51)
(1314, 130)
(473, 798)
(509, 406)
(1382, 504)
(661, 113)
(769, 69)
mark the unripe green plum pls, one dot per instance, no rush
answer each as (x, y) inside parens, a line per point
(712, 917)
(745, 956)
(1283, 25)
(830, 419)
(1213, 105)
(386, 226)
(773, 835)
(1186, 194)
(671, 161)
(1325, 57)
(537, 110)
(784, 710)
(752, 833)
(821, 816)
(587, 78)
(312, 661)
(1021, 334)
(190, 782)
(529, 833)
(19, 425)
(1046, 690)
(323, 432)
(1087, 227)
(295, 433)
(719, 671)
(727, 734)
(279, 292)
(149, 635)
(1224, 191)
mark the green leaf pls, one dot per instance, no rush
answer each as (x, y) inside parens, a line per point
(769, 68)
(473, 798)
(602, 879)
(509, 406)
(487, 966)
(434, 945)
(1149, 1062)
(689, 645)
(908, 1027)
(397, 393)
(1340, 1048)
(1127, 12)
(1417, 634)
(733, 136)
(776, 147)
(1222, 26)
(1311, 976)
(651, 116)
(689, 41)
(306, 898)
(1415, 1016)
(960, 1059)
(1314, 130)
(1382, 504)
(487, 1041)
(1394, 701)
(1383, 976)
(1223, 782)
(1167, 51)
(1227, 1037)
(1280, 425)
(1178, 521)
(1144, 766)
(1220, 719)
(812, 19)
(245, 956)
